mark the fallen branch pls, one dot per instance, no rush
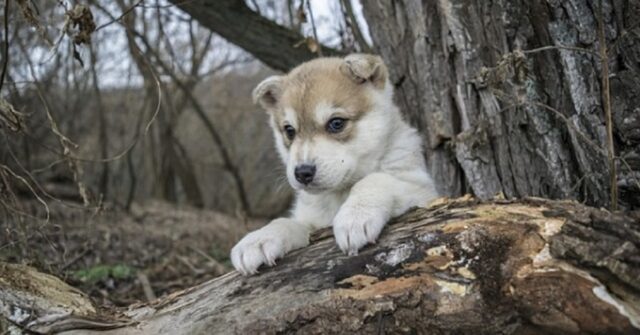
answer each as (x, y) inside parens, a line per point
(460, 266)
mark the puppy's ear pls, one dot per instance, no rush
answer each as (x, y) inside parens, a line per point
(363, 68)
(268, 92)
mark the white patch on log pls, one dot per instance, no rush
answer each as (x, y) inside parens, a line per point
(465, 272)
(331, 264)
(18, 315)
(551, 227)
(543, 257)
(451, 287)
(396, 256)
(14, 330)
(604, 295)
(379, 306)
(427, 238)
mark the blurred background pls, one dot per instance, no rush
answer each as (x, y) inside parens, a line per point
(131, 139)
(133, 158)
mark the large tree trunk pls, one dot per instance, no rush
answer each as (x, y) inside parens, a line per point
(489, 113)
(459, 266)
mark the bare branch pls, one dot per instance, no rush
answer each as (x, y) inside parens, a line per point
(606, 102)
(560, 47)
(124, 13)
(355, 27)
(5, 60)
(313, 27)
(263, 38)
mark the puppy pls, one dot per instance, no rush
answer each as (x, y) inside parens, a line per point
(352, 160)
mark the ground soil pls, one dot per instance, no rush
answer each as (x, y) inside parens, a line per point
(120, 257)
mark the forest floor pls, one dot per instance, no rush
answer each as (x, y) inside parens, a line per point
(119, 258)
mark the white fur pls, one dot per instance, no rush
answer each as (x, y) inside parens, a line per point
(359, 185)
(324, 111)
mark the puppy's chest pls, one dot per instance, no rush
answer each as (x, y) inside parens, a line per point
(321, 209)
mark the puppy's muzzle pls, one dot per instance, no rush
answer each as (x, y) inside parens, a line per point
(304, 173)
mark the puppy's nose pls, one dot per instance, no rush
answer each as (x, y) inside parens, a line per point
(304, 173)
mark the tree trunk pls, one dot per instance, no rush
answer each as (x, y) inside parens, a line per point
(518, 123)
(457, 267)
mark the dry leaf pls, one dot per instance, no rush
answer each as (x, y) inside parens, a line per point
(9, 117)
(312, 44)
(300, 14)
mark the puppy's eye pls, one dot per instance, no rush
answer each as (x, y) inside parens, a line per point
(290, 132)
(336, 124)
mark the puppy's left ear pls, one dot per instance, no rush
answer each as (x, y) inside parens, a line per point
(363, 68)
(268, 92)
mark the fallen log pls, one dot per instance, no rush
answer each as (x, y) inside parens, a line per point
(460, 266)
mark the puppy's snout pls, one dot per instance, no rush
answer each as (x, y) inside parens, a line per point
(304, 173)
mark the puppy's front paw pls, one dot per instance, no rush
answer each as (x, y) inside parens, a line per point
(257, 248)
(355, 225)
(267, 244)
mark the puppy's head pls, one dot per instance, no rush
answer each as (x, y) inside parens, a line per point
(331, 118)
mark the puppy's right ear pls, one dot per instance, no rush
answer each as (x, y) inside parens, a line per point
(268, 92)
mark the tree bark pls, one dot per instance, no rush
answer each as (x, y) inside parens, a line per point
(497, 120)
(458, 267)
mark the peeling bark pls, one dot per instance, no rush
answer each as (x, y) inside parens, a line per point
(457, 267)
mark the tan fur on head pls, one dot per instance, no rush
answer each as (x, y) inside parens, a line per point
(268, 92)
(362, 68)
(358, 68)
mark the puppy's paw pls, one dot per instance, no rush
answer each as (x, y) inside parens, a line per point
(267, 244)
(355, 225)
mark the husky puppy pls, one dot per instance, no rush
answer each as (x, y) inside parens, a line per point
(351, 158)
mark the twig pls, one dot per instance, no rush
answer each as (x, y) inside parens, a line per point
(146, 286)
(255, 4)
(200, 112)
(217, 266)
(25, 182)
(66, 144)
(569, 125)
(606, 101)
(290, 12)
(575, 187)
(630, 170)
(114, 20)
(560, 47)
(187, 263)
(85, 251)
(5, 57)
(355, 27)
(35, 181)
(124, 151)
(621, 38)
(313, 26)
(175, 4)
(584, 137)
(44, 204)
